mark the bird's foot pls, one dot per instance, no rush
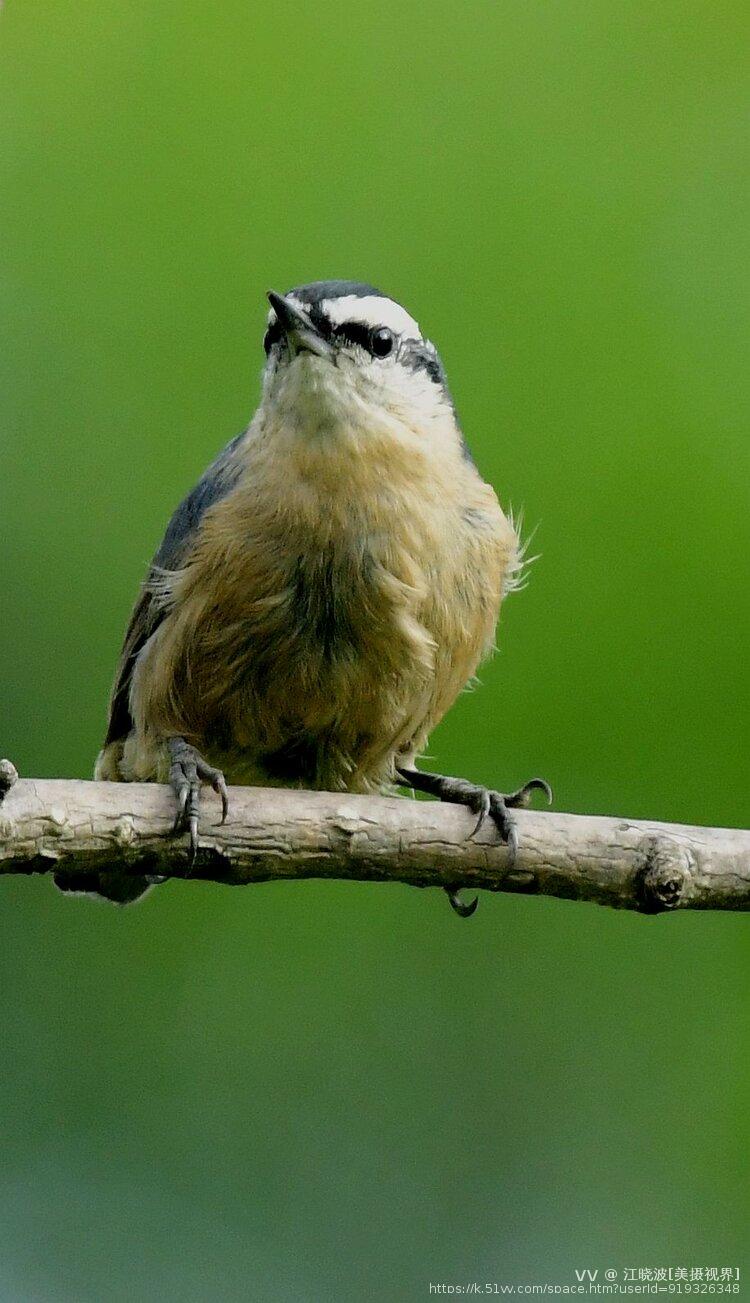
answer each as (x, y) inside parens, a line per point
(483, 802)
(187, 770)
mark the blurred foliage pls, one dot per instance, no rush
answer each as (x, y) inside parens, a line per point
(319, 1091)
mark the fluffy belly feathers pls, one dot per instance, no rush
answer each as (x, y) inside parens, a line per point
(316, 659)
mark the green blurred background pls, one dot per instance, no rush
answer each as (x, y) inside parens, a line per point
(325, 1091)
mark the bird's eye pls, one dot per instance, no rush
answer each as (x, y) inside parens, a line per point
(381, 342)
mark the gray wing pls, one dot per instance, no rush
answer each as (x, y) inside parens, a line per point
(218, 480)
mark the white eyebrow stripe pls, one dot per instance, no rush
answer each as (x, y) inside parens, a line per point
(373, 311)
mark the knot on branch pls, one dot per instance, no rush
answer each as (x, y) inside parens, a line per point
(663, 880)
(8, 776)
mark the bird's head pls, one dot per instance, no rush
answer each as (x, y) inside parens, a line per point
(342, 357)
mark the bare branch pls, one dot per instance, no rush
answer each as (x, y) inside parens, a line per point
(84, 827)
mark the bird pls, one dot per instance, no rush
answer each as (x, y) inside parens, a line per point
(326, 590)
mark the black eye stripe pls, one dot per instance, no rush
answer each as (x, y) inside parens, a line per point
(414, 354)
(378, 341)
(354, 332)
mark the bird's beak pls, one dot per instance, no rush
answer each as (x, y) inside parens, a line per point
(301, 333)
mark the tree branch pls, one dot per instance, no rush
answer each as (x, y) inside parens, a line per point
(273, 833)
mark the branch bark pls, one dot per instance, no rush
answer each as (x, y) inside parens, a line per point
(274, 834)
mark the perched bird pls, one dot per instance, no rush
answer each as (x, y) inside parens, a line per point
(326, 590)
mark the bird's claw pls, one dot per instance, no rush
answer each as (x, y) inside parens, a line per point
(182, 793)
(482, 808)
(498, 806)
(220, 787)
(501, 805)
(187, 771)
(520, 798)
(464, 909)
(482, 801)
(193, 830)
